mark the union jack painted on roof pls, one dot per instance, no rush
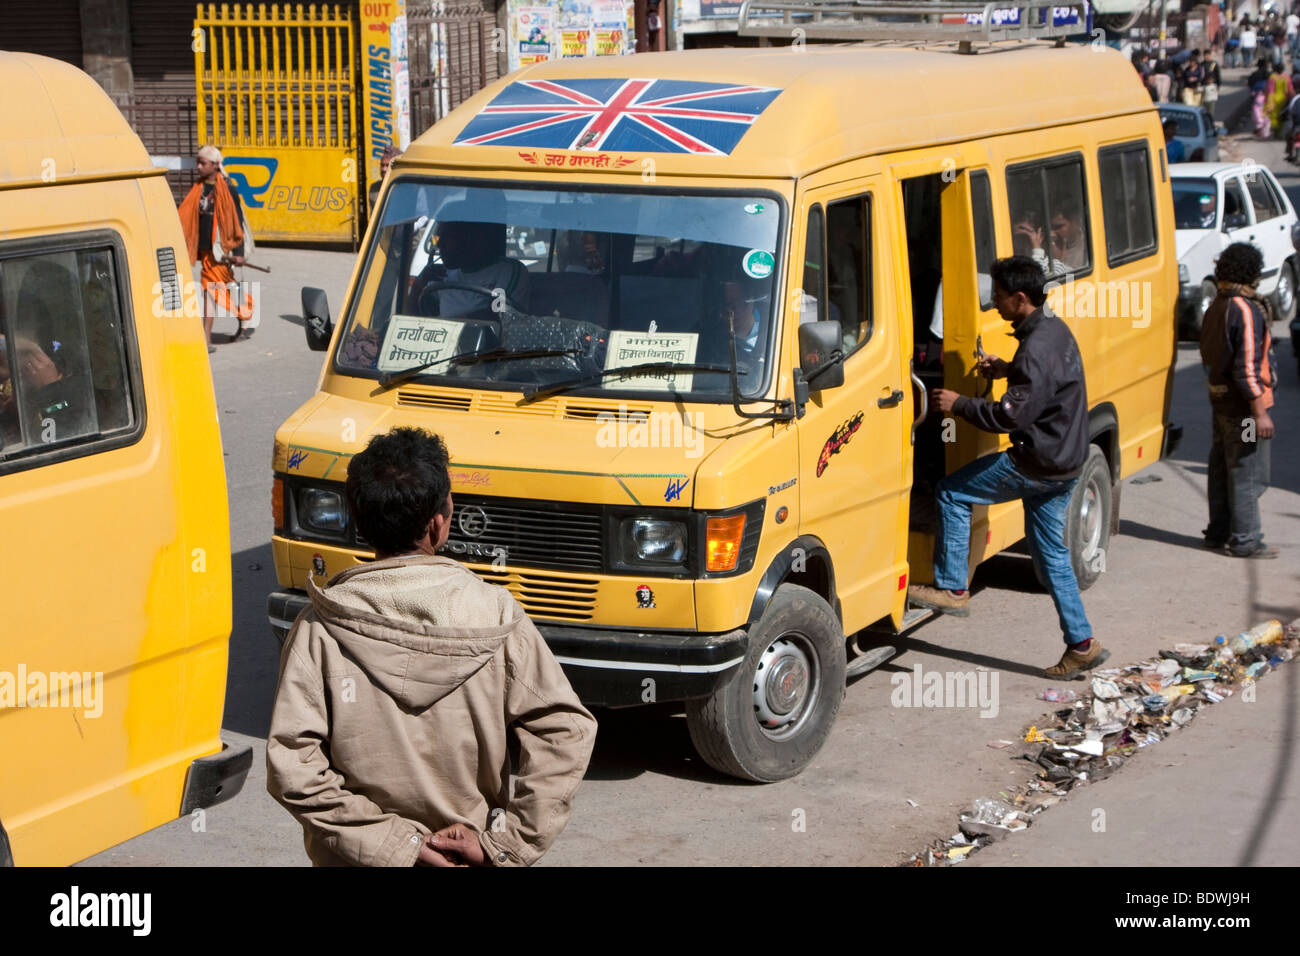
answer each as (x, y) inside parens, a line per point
(648, 116)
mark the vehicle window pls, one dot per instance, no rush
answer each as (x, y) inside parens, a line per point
(1262, 198)
(981, 201)
(603, 279)
(63, 359)
(1278, 197)
(1196, 203)
(812, 308)
(848, 277)
(1049, 216)
(1128, 212)
(1207, 121)
(1234, 204)
(1187, 127)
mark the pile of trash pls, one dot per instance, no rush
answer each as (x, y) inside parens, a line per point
(1128, 709)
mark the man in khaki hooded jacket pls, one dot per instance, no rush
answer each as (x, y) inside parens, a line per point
(403, 681)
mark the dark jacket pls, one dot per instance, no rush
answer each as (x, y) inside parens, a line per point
(1045, 407)
(1236, 350)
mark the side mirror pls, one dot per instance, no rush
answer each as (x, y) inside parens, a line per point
(1236, 220)
(316, 319)
(1220, 130)
(821, 355)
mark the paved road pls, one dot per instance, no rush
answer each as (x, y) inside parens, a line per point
(891, 778)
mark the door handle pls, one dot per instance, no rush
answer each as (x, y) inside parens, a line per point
(894, 398)
(925, 399)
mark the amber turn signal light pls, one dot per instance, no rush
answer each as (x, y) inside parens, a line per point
(277, 504)
(723, 542)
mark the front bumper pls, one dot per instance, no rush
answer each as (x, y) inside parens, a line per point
(607, 668)
(216, 778)
(282, 607)
(624, 668)
(1173, 437)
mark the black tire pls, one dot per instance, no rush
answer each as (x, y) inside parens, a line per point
(1284, 296)
(726, 727)
(1088, 521)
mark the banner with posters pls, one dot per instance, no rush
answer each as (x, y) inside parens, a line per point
(533, 29)
(569, 29)
(385, 89)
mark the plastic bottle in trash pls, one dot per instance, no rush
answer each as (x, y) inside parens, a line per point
(1270, 632)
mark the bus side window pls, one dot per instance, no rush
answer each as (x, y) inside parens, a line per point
(1128, 212)
(1049, 215)
(981, 202)
(848, 277)
(812, 305)
(63, 374)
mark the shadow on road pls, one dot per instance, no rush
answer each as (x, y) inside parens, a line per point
(1145, 532)
(652, 739)
(254, 651)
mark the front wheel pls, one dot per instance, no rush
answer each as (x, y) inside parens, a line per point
(770, 720)
(1088, 521)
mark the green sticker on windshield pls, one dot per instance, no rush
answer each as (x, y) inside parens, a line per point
(758, 264)
(754, 208)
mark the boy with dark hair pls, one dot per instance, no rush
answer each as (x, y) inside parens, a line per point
(402, 685)
(1236, 349)
(1045, 409)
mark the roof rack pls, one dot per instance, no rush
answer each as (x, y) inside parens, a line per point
(930, 21)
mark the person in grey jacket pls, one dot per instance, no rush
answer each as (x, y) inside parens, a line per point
(1045, 409)
(403, 686)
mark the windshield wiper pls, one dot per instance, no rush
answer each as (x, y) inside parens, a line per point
(390, 379)
(534, 393)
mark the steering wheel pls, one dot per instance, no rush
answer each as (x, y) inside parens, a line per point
(424, 304)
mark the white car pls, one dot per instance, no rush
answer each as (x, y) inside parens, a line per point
(1217, 204)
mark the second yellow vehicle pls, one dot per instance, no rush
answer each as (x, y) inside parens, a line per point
(667, 312)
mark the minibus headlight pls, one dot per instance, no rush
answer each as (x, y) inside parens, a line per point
(659, 542)
(320, 510)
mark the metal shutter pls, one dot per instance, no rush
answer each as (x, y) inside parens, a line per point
(50, 28)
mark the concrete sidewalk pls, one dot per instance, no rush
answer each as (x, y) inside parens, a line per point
(1223, 791)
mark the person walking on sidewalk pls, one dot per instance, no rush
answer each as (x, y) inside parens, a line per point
(1193, 77)
(213, 222)
(406, 684)
(1045, 409)
(1213, 78)
(1237, 351)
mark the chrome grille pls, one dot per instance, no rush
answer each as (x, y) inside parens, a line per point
(532, 534)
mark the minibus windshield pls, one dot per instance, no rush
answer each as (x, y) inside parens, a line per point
(538, 286)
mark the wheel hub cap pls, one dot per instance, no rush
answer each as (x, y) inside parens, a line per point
(784, 684)
(1090, 519)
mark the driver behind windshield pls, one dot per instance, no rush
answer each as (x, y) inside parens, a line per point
(742, 304)
(473, 253)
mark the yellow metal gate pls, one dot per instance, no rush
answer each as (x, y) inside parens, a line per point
(277, 95)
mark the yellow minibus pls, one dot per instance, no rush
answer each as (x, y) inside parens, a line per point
(675, 316)
(115, 563)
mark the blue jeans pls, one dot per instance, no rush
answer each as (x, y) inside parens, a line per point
(993, 479)
(1236, 477)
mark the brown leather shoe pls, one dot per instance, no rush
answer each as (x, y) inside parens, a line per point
(1074, 665)
(937, 599)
